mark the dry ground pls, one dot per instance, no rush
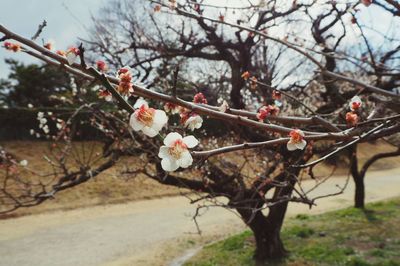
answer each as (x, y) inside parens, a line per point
(113, 187)
(152, 232)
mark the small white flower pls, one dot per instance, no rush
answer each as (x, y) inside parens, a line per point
(296, 140)
(23, 163)
(46, 129)
(50, 113)
(72, 54)
(40, 115)
(37, 135)
(148, 120)
(32, 131)
(175, 153)
(224, 107)
(194, 122)
(355, 103)
(59, 126)
(43, 121)
(30, 105)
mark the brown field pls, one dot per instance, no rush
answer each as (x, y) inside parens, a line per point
(113, 187)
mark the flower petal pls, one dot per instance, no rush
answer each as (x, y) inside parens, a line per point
(134, 123)
(194, 122)
(160, 119)
(186, 160)
(291, 146)
(171, 137)
(301, 145)
(151, 132)
(169, 164)
(163, 152)
(190, 141)
(71, 57)
(356, 99)
(139, 103)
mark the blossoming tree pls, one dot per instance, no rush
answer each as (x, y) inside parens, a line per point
(278, 133)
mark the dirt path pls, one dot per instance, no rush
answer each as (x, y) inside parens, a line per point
(149, 232)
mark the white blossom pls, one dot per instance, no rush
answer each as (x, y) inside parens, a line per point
(355, 103)
(296, 140)
(175, 153)
(46, 129)
(194, 122)
(148, 120)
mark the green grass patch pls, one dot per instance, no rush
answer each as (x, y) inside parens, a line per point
(349, 237)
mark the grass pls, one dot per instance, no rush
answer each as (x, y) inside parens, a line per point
(350, 237)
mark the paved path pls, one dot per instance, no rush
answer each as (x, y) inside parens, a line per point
(144, 232)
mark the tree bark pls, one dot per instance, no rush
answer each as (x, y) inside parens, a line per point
(358, 178)
(266, 230)
(237, 83)
(359, 198)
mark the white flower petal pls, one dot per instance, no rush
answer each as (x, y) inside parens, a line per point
(171, 138)
(169, 164)
(134, 123)
(186, 160)
(164, 152)
(108, 98)
(291, 146)
(139, 103)
(160, 119)
(356, 99)
(150, 132)
(23, 163)
(71, 57)
(194, 122)
(301, 145)
(190, 141)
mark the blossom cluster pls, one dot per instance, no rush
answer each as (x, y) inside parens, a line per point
(352, 116)
(268, 110)
(125, 86)
(44, 119)
(12, 46)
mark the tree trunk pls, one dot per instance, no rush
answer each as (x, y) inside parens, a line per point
(266, 230)
(359, 198)
(358, 178)
(237, 83)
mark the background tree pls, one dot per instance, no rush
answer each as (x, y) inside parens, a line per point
(33, 84)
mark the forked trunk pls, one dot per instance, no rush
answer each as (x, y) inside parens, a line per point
(266, 230)
(269, 245)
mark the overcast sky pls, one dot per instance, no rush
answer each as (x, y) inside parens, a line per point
(66, 20)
